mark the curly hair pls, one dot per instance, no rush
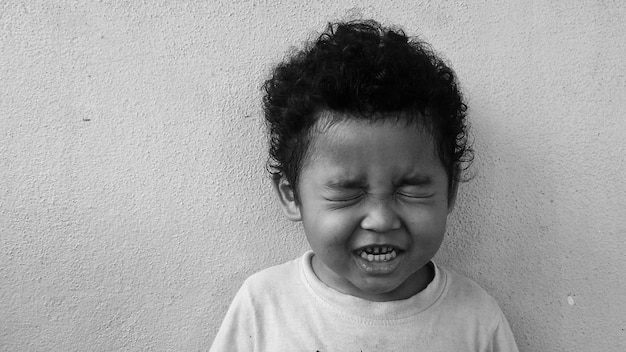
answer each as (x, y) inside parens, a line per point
(366, 71)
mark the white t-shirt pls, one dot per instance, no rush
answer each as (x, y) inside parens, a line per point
(287, 308)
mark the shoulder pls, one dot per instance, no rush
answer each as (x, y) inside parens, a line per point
(273, 281)
(468, 296)
(469, 307)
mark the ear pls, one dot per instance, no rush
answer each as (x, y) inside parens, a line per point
(452, 192)
(453, 188)
(287, 199)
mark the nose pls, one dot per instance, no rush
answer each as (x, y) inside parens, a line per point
(381, 217)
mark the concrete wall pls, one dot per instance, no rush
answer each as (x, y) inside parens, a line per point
(133, 197)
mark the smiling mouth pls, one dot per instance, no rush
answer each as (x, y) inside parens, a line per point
(379, 254)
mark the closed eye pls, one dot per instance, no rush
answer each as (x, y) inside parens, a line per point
(414, 192)
(415, 195)
(345, 198)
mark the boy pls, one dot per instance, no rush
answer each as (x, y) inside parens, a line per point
(367, 134)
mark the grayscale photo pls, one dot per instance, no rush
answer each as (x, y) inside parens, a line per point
(315, 176)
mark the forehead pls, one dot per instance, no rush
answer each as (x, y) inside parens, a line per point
(349, 147)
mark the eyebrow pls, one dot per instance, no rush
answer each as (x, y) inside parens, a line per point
(349, 184)
(417, 180)
(346, 184)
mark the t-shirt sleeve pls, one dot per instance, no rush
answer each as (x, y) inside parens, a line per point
(238, 327)
(502, 338)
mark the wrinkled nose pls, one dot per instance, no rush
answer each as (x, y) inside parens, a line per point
(381, 217)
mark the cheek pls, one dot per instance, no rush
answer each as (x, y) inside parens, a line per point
(428, 224)
(330, 228)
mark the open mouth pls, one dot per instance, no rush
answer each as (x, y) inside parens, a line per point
(378, 253)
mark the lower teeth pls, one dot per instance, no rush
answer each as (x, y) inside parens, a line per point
(378, 257)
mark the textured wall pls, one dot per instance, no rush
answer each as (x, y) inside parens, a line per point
(133, 199)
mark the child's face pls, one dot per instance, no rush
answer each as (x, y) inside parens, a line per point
(373, 199)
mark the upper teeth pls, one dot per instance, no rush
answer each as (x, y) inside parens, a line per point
(377, 249)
